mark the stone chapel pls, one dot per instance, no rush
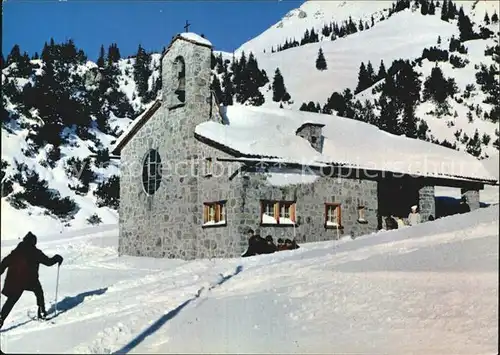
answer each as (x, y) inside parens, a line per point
(195, 176)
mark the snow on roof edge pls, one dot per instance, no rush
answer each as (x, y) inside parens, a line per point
(135, 125)
(245, 138)
(194, 37)
(320, 164)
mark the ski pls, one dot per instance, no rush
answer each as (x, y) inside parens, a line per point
(34, 317)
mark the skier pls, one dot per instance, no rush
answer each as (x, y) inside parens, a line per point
(23, 264)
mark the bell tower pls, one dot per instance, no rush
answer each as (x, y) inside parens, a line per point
(186, 70)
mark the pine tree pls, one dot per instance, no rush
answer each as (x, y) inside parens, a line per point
(68, 52)
(228, 89)
(408, 85)
(252, 80)
(216, 88)
(45, 97)
(369, 113)
(351, 26)
(326, 110)
(305, 38)
(486, 18)
(465, 26)
(2, 61)
(337, 102)
(113, 53)
(473, 146)
(239, 68)
(220, 64)
(389, 87)
(494, 18)
(370, 73)
(142, 72)
(361, 27)
(437, 88)
(36, 56)
(100, 60)
(388, 120)
(213, 61)
(321, 61)
(279, 89)
(409, 123)
(14, 55)
(363, 79)
(439, 40)
(264, 78)
(24, 66)
(422, 130)
(432, 8)
(381, 71)
(424, 8)
(444, 11)
(313, 36)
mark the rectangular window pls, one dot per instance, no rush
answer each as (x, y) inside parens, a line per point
(361, 214)
(208, 168)
(333, 215)
(277, 212)
(214, 214)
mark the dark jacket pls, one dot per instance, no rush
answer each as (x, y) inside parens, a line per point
(23, 264)
(256, 246)
(463, 207)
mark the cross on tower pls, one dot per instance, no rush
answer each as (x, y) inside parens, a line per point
(187, 26)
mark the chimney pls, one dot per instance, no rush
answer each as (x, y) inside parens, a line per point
(313, 133)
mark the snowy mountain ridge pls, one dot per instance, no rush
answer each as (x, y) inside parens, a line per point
(102, 98)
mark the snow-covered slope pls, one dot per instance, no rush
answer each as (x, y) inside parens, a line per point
(17, 149)
(313, 14)
(402, 35)
(316, 13)
(492, 164)
(461, 117)
(429, 289)
(343, 56)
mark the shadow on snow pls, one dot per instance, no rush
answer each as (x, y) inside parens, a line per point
(168, 316)
(64, 305)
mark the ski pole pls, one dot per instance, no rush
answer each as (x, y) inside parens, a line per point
(57, 287)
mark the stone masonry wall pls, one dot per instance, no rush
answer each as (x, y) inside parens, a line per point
(164, 224)
(310, 208)
(243, 195)
(313, 134)
(217, 241)
(427, 202)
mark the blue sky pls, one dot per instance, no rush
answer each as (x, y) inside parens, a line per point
(90, 23)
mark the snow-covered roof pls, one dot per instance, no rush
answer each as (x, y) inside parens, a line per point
(135, 126)
(194, 37)
(270, 133)
(492, 164)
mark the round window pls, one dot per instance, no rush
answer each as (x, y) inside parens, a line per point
(151, 172)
